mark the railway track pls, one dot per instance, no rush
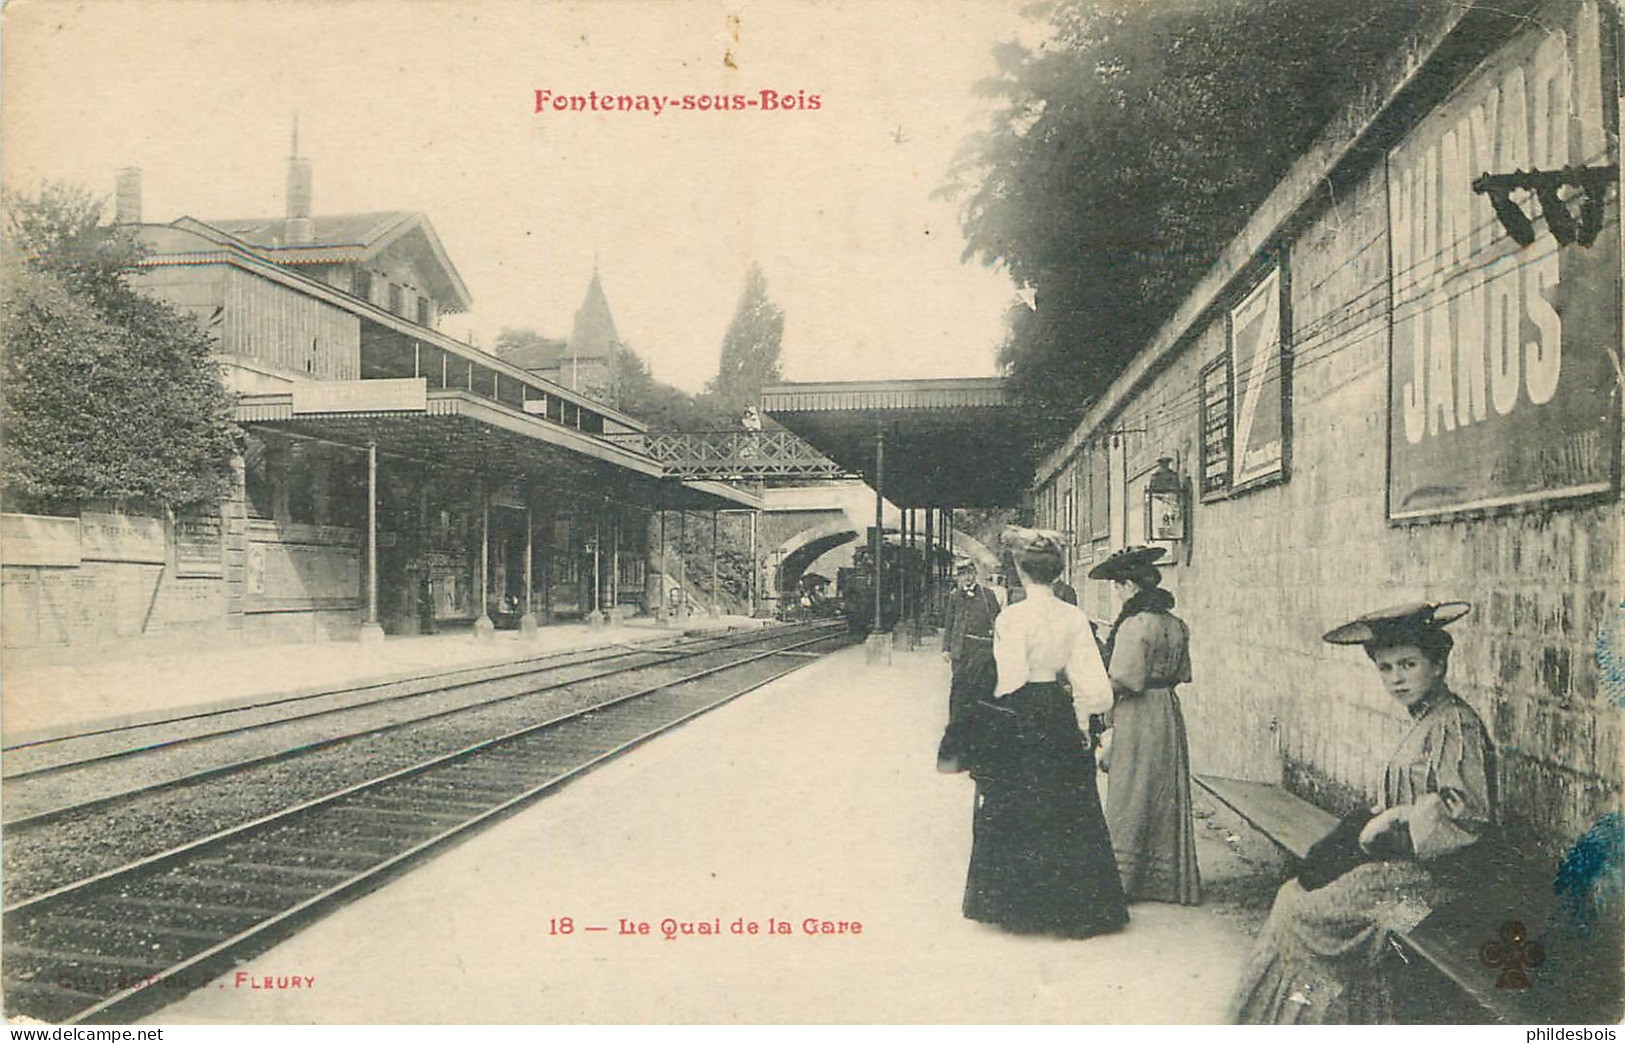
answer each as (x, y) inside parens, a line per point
(111, 813)
(126, 940)
(50, 779)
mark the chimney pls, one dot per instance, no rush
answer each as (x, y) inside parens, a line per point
(128, 196)
(298, 229)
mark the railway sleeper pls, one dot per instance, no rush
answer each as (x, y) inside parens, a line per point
(387, 835)
(80, 978)
(504, 764)
(277, 866)
(186, 891)
(361, 805)
(446, 804)
(47, 1001)
(339, 855)
(122, 938)
(250, 883)
(434, 789)
(23, 962)
(294, 837)
(389, 844)
(547, 761)
(586, 737)
(605, 736)
(455, 797)
(248, 913)
(216, 920)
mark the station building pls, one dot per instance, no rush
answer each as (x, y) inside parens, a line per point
(1400, 381)
(392, 478)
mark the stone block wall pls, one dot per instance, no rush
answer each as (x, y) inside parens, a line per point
(1271, 569)
(102, 605)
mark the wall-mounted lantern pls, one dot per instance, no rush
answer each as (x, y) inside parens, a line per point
(1164, 504)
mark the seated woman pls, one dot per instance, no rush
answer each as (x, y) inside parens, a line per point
(1319, 958)
(1041, 859)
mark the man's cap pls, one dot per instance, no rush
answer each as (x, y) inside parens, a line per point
(1126, 562)
(964, 565)
(1397, 623)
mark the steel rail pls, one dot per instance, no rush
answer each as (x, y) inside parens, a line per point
(44, 818)
(144, 988)
(399, 773)
(493, 673)
(520, 666)
(184, 740)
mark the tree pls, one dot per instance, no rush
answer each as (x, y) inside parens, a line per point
(750, 348)
(107, 394)
(1131, 146)
(630, 386)
(663, 407)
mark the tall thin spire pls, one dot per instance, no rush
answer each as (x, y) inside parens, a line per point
(295, 153)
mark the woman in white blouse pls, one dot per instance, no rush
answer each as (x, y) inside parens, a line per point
(1041, 860)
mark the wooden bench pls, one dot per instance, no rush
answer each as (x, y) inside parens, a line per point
(1569, 988)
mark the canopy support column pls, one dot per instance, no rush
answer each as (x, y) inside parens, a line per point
(931, 568)
(597, 617)
(905, 557)
(371, 632)
(527, 622)
(716, 610)
(615, 564)
(682, 559)
(879, 644)
(662, 592)
(484, 628)
(755, 569)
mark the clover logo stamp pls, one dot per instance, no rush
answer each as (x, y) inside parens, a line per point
(1513, 952)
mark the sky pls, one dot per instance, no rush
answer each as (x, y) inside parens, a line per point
(431, 106)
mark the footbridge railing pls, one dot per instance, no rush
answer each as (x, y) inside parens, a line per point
(747, 455)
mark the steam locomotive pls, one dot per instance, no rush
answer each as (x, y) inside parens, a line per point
(855, 586)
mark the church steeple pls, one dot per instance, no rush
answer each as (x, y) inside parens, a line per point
(593, 336)
(587, 363)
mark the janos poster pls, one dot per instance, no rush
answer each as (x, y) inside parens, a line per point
(1504, 389)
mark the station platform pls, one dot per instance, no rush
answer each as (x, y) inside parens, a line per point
(39, 701)
(813, 800)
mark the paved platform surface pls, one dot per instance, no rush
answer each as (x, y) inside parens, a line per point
(37, 701)
(814, 797)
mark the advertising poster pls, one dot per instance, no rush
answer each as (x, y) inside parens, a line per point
(1505, 358)
(1256, 397)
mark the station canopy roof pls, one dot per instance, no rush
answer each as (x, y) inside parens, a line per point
(453, 429)
(948, 443)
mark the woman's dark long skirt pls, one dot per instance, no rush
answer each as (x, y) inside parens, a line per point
(1041, 858)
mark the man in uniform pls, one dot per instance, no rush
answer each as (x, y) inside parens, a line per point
(967, 639)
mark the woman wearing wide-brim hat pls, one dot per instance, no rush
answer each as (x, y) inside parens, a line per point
(1322, 956)
(1148, 797)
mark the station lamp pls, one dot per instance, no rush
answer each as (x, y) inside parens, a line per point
(1164, 504)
